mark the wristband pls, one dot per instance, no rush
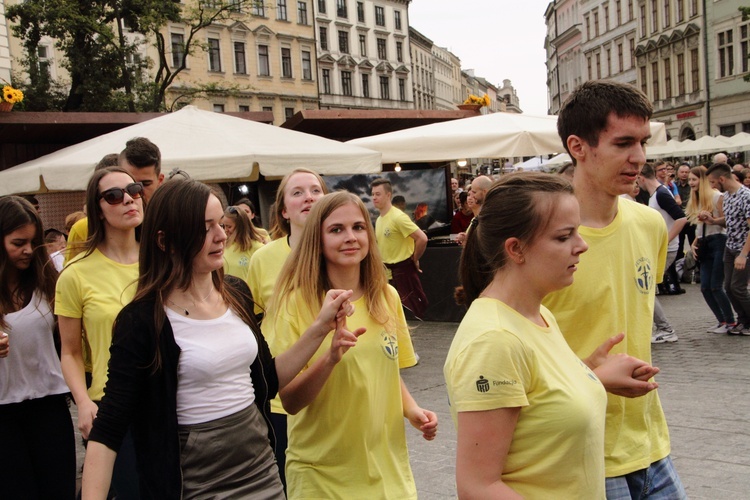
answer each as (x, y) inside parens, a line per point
(743, 255)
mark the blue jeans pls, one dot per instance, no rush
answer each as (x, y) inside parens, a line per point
(712, 278)
(659, 481)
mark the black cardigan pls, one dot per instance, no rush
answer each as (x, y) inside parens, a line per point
(137, 394)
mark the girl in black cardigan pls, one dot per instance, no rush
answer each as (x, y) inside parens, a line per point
(179, 357)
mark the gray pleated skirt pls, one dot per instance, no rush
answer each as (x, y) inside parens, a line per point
(230, 457)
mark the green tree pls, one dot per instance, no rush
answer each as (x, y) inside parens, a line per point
(103, 57)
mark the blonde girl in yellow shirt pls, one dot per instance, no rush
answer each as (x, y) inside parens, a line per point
(346, 429)
(243, 240)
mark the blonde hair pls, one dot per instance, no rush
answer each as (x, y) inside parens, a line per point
(280, 227)
(244, 232)
(703, 198)
(305, 272)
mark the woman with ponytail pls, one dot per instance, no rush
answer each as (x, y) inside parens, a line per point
(529, 413)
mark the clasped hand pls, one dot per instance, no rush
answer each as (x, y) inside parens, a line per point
(333, 314)
(621, 374)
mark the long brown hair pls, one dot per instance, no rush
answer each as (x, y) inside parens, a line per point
(280, 226)
(245, 232)
(305, 269)
(174, 231)
(516, 206)
(15, 212)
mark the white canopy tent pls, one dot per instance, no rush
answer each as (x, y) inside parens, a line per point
(495, 135)
(534, 164)
(663, 150)
(703, 145)
(559, 160)
(209, 146)
(738, 142)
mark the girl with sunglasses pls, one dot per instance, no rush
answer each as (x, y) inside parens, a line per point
(94, 287)
(190, 368)
(243, 240)
(38, 447)
(346, 427)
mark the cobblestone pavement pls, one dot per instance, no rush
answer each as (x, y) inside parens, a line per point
(703, 388)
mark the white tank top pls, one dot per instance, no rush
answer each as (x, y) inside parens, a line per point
(32, 369)
(213, 373)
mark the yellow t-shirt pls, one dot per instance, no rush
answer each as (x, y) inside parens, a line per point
(263, 233)
(612, 292)
(96, 288)
(237, 263)
(392, 232)
(350, 441)
(500, 359)
(265, 267)
(79, 233)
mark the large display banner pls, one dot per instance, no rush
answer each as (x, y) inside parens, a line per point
(424, 191)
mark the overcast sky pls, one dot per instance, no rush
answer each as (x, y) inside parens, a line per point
(499, 39)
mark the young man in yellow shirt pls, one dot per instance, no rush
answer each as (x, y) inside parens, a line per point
(401, 244)
(604, 127)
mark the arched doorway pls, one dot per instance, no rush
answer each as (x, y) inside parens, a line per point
(687, 132)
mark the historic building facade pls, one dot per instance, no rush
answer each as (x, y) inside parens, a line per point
(363, 54)
(727, 65)
(447, 68)
(670, 63)
(563, 47)
(266, 55)
(423, 69)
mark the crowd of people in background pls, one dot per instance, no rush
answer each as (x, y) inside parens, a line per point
(209, 357)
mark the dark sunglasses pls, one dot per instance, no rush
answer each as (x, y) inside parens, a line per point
(233, 210)
(114, 196)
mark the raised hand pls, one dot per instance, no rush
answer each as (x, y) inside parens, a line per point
(343, 339)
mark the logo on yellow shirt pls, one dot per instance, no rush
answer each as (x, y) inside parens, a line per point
(387, 232)
(483, 385)
(644, 277)
(390, 344)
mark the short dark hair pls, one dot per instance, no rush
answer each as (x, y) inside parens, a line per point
(719, 170)
(380, 181)
(246, 202)
(398, 199)
(110, 160)
(142, 153)
(586, 111)
(51, 235)
(648, 171)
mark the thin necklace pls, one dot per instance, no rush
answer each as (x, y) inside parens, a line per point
(184, 309)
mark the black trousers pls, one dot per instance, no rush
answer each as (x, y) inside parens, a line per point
(38, 449)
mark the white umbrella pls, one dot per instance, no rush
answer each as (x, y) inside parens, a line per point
(495, 135)
(532, 164)
(738, 142)
(705, 145)
(209, 146)
(559, 160)
(663, 150)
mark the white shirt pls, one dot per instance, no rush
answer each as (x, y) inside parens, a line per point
(32, 369)
(213, 372)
